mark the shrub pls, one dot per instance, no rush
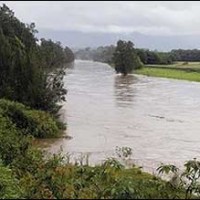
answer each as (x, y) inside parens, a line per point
(36, 123)
(9, 188)
(12, 142)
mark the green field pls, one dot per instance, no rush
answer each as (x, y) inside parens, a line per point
(179, 65)
(179, 70)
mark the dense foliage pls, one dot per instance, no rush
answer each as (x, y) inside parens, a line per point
(30, 73)
(53, 55)
(125, 58)
(9, 188)
(185, 54)
(154, 57)
(35, 122)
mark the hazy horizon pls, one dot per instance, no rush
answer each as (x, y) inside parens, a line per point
(93, 40)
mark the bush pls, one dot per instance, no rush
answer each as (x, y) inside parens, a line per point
(12, 142)
(9, 188)
(36, 123)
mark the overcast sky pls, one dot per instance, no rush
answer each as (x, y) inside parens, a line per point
(152, 18)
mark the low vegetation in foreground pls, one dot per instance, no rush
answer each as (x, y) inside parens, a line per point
(27, 172)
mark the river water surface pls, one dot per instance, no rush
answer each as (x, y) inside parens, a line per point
(158, 118)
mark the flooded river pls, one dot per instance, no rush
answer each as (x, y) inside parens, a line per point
(158, 118)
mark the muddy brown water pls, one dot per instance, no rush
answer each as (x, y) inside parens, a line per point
(158, 118)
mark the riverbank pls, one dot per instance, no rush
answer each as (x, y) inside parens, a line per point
(180, 70)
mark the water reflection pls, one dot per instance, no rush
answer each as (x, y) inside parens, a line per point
(124, 90)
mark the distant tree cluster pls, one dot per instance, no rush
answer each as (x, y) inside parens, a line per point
(30, 73)
(100, 54)
(154, 57)
(105, 54)
(84, 54)
(185, 55)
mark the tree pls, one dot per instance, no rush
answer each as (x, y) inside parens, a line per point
(69, 55)
(30, 73)
(125, 58)
(54, 59)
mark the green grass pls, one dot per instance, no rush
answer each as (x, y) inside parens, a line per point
(170, 73)
(179, 70)
(179, 65)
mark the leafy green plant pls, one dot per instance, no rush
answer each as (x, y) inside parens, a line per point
(167, 169)
(34, 122)
(123, 152)
(188, 179)
(9, 185)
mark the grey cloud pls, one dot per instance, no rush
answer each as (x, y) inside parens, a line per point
(154, 18)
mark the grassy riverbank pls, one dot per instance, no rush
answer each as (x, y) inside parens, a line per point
(169, 73)
(179, 65)
(184, 71)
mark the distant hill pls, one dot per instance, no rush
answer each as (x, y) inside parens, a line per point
(76, 40)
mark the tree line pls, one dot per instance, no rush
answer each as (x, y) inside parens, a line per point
(155, 57)
(31, 70)
(189, 55)
(105, 54)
